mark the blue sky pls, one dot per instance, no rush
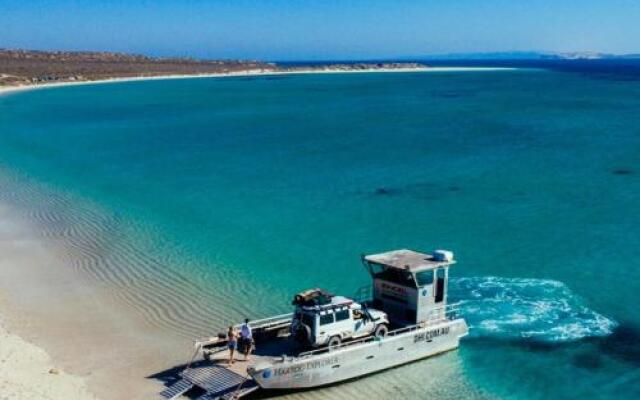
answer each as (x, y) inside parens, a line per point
(322, 29)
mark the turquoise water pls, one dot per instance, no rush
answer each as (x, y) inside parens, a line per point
(244, 190)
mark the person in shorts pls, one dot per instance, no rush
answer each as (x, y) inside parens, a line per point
(246, 339)
(232, 343)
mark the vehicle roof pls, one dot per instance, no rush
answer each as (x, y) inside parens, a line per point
(407, 260)
(336, 302)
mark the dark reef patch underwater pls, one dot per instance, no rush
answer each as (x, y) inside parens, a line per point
(623, 171)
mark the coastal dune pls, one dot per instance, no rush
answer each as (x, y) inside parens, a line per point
(25, 69)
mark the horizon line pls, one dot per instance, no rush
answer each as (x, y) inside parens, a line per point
(472, 55)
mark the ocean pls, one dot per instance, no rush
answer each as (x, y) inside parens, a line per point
(202, 201)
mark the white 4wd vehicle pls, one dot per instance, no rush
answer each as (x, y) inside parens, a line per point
(321, 319)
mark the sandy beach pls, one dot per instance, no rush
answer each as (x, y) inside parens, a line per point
(63, 337)
(13, 89)
(27, 372)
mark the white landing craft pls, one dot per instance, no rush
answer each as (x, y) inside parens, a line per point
(402, 317)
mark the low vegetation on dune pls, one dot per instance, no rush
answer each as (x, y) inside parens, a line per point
(27, 67)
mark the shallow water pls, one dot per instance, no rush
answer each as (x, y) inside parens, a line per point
(201, 201)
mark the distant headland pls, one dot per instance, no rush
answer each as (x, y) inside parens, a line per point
(530, 55)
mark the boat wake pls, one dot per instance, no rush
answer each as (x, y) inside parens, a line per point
(536, 309)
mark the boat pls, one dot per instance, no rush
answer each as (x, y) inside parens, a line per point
(402, 317)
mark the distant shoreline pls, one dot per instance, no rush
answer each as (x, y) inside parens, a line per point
(19, 88)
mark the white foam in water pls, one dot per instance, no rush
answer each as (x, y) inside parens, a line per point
(538, 309)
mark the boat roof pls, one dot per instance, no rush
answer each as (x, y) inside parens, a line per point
(407, 260)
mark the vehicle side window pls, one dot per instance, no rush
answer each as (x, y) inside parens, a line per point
(342, 315)
(326, 319)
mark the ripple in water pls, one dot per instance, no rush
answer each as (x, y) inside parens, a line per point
(536, 309)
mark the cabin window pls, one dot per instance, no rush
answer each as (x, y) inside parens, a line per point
(326, 319)
(397, 276)
(342, 315)
(375, 269)
(425, 278)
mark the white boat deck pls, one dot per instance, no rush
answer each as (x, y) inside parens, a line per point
(217, 378)
(222, 380)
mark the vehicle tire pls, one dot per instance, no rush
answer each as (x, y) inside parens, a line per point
(334, 342)
(303, 334)
(381, 331)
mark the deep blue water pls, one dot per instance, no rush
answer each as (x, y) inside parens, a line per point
(251, 188)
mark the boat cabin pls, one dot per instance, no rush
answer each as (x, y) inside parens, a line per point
(411, 287)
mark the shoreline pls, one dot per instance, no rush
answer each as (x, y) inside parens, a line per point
(27, 369)
(21, 88)
(54, 318)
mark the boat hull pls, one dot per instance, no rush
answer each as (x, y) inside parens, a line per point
(362, 359)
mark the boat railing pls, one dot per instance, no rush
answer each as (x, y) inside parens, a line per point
(448, 312)
(269, 322)
(263, 324)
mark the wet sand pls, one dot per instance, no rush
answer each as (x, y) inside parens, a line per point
(60, 318)
(102, 348)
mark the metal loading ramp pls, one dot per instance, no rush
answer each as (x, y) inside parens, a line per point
(177, 389)
(219, 383)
